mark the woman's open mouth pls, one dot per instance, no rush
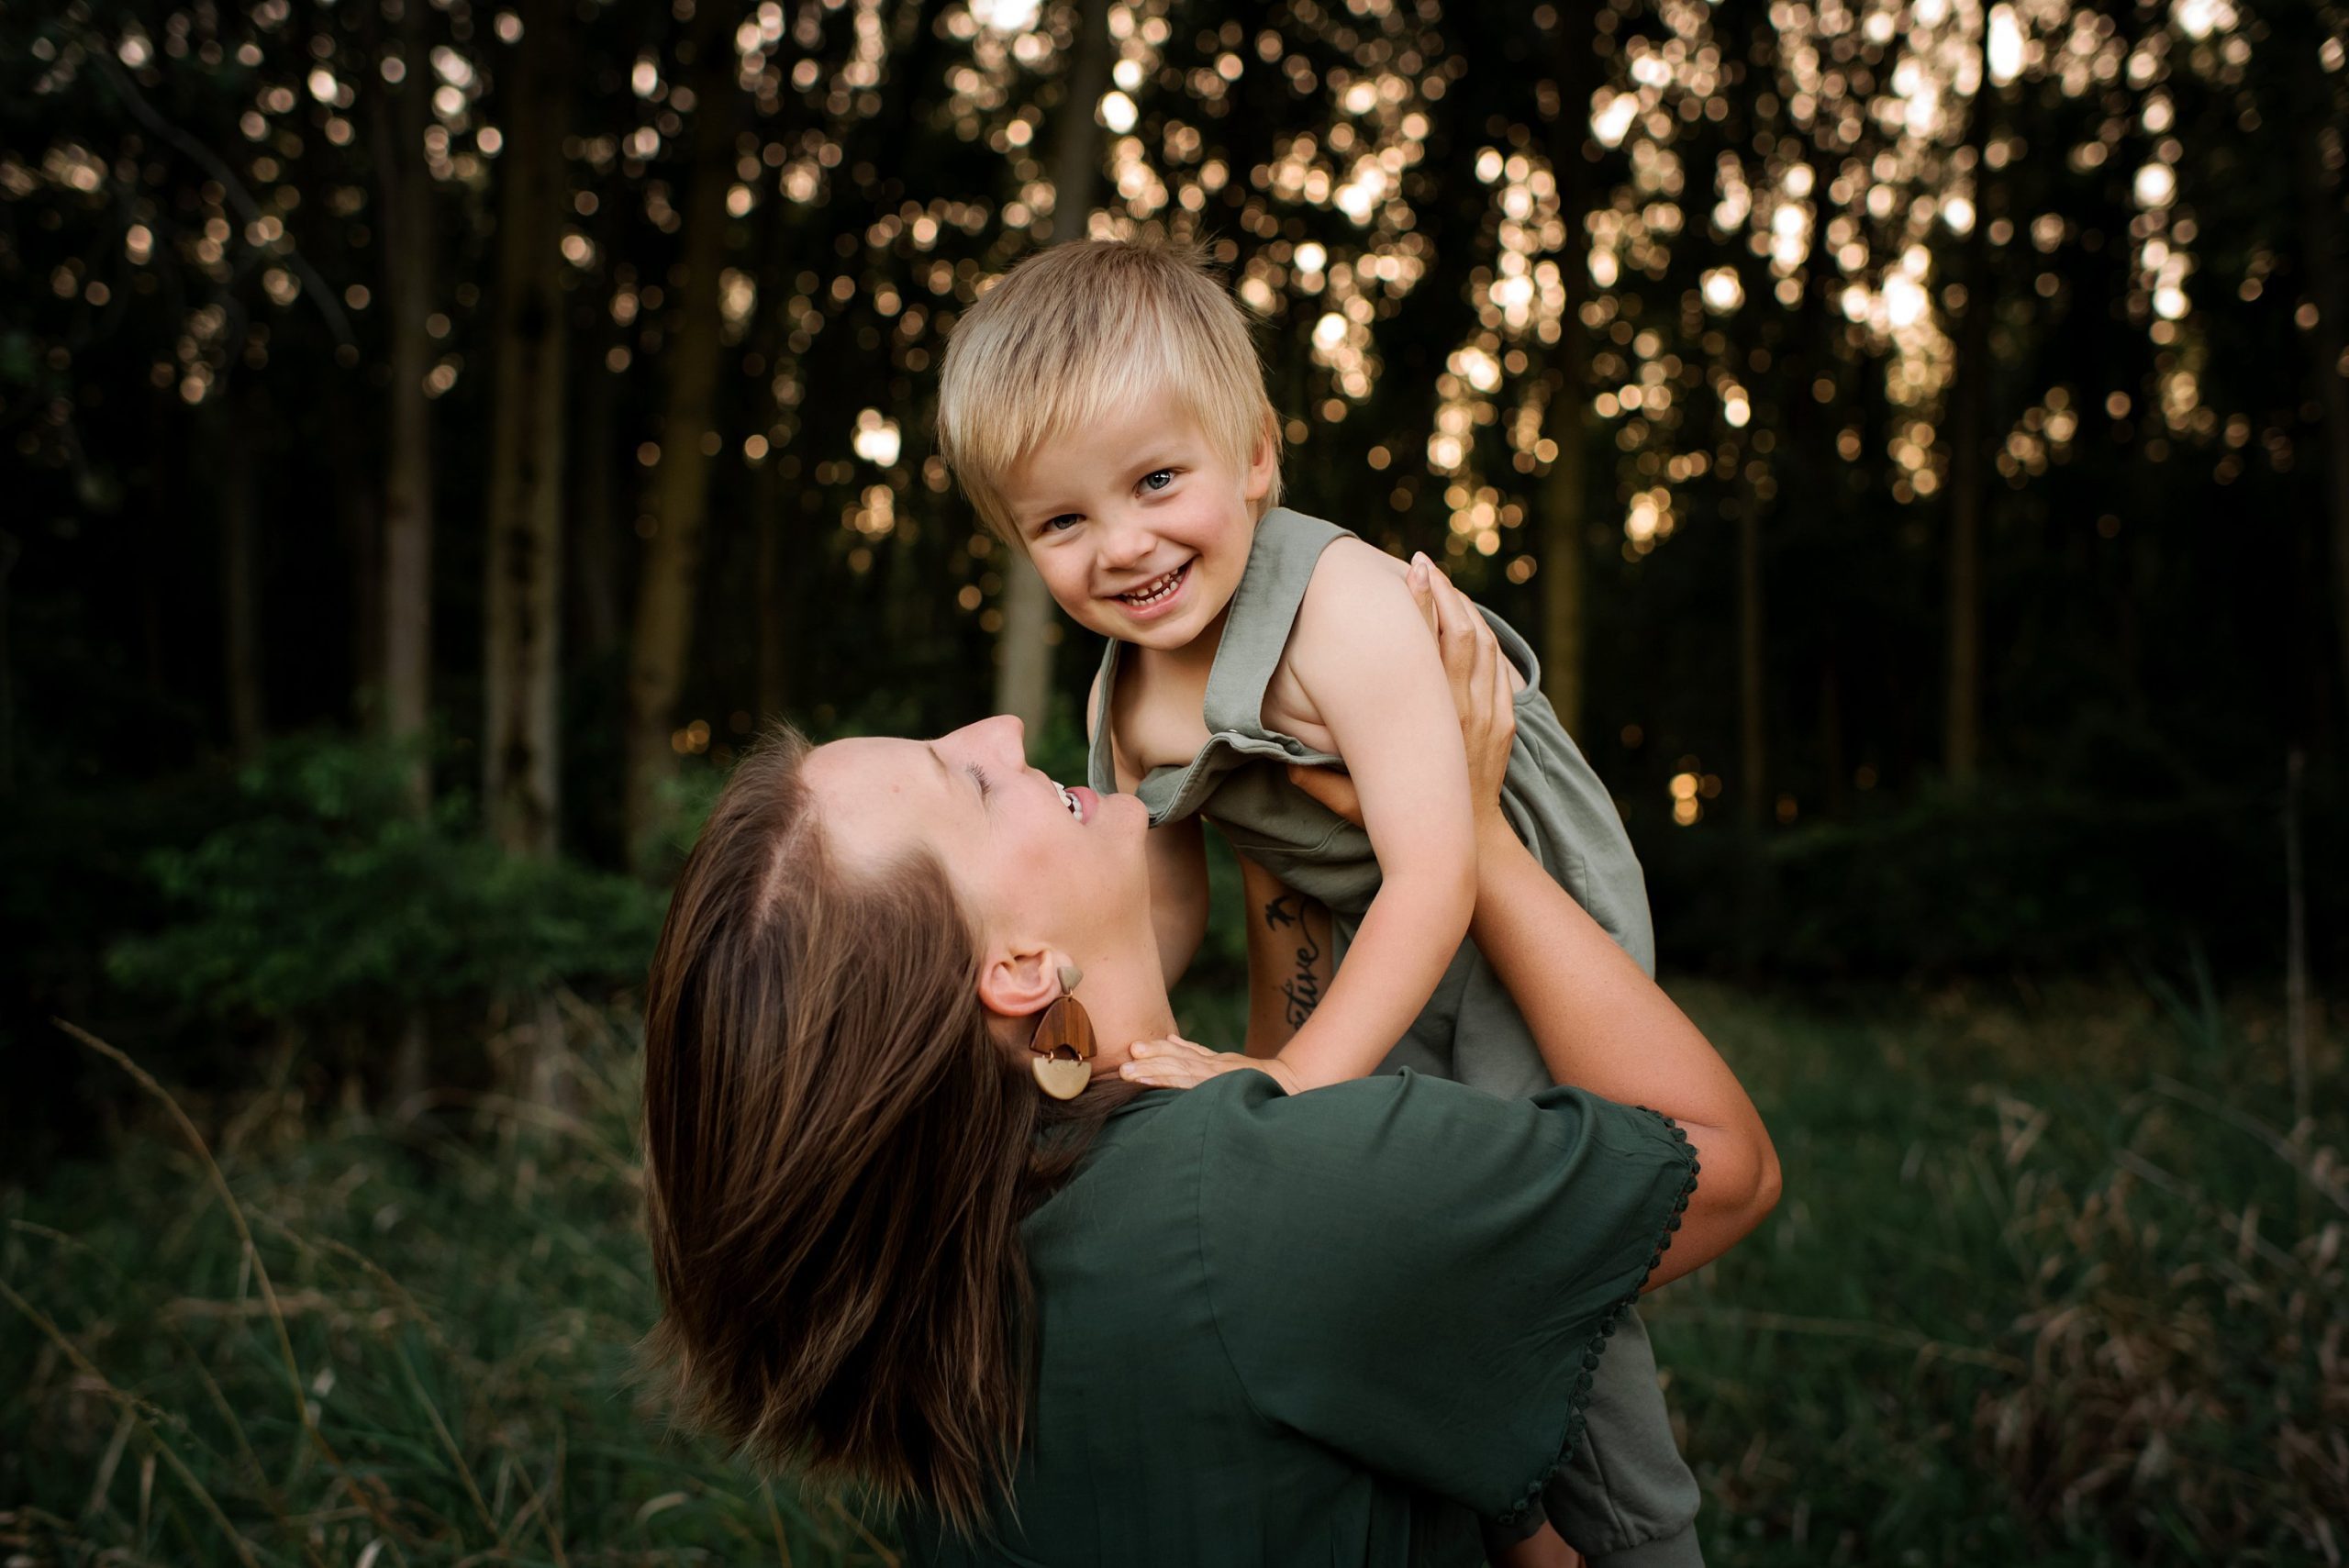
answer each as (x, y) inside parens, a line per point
(1078, 801)
(1156, 596)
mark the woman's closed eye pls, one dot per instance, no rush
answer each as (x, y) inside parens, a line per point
(978, 776)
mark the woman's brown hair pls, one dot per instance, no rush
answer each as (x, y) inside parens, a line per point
(838, 1158)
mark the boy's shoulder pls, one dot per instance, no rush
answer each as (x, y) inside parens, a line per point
(1356, 596)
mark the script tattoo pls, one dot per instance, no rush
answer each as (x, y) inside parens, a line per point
(1303, 991)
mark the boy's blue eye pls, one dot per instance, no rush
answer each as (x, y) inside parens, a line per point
(1061, 524)
(1159, 479)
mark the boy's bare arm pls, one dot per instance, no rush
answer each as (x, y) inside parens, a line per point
(1290, 957)
(1177, 858)
(1363, 656)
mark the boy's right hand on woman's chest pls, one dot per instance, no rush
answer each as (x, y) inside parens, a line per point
(1175, 1063)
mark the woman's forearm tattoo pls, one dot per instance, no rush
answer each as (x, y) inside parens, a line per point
(1302, 990)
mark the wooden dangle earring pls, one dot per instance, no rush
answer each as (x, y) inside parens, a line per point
(1062, 1045)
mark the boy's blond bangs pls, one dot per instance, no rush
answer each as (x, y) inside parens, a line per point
(1081, 330)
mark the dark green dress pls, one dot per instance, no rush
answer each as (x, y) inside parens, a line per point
(1631, 1501)
(1324, 1328)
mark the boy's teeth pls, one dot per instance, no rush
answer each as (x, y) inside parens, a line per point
(1158, 590)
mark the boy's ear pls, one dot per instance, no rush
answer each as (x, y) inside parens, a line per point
(1266, 460)
(1020, 984)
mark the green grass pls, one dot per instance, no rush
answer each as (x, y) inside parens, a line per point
(2054, 1281)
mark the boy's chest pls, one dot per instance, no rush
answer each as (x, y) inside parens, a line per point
(1159, 713)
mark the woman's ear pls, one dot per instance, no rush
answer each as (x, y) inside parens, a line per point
(1020, 985)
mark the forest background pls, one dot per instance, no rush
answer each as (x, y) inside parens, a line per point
(440, 435)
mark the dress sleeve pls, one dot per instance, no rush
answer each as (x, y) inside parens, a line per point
(1424, 1276)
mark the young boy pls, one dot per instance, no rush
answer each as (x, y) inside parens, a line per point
(1103, 408)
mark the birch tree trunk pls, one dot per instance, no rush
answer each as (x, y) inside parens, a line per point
(1023, 671)
(669, 571)
(522, 599)
(409, 243)
(1566, 492)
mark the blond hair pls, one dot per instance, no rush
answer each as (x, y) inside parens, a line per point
(1080, 330)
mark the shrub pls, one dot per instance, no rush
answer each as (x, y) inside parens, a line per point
(326, 900)
(1999, 878)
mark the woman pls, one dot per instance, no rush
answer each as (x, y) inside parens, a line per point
(1226, 1326)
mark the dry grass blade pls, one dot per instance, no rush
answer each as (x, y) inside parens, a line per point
(1926, 1347)
(131, 1406)
(235, 1212)
(2285, 1149)
(449, 1446)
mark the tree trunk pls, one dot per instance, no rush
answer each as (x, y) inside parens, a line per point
(669, 573)
(239, 571)
(597, 547)
(362, 520)
(2296, 942)
(1968, 463)
(1754, 787)
(9, 550)
(522, 602)
(1076, 148)
(1566, 494)
(1023, 671)
(408, 241)
(774, 618)
(1831, 738)
(2329, 292)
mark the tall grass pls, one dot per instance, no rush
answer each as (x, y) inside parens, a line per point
(356, 1342)
(2054, 1283)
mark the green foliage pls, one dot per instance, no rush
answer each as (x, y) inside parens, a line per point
(326, 897)
(2050, 1285)
(2002, 877)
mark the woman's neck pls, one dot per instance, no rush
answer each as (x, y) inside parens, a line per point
(1124, 994)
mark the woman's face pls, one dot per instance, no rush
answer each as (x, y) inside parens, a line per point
(1028, 869)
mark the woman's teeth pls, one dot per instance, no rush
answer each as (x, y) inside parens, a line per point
(1142, 598)
(1070, 801)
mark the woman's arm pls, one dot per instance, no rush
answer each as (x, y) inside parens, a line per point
(1601, 1022)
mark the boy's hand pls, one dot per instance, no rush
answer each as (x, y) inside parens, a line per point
(1480, 690)
(1177, 1063)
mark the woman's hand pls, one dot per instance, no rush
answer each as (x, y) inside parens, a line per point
(1480, 692)
(1178, 1063)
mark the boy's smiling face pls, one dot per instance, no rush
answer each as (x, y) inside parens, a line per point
(1138, 525)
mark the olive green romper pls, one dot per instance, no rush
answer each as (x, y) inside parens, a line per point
(1635, 1498)
(1232, 1299)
